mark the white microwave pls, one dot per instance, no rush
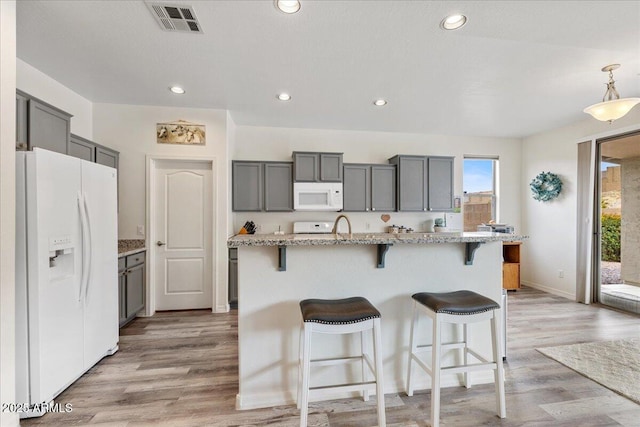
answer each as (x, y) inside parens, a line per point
(317, 196)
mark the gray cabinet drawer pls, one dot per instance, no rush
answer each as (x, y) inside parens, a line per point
(135, 259)
(122, 265)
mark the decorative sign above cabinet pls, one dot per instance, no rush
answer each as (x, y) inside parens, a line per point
(180, 132)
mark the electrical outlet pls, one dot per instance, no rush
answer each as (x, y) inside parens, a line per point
(367, 226)
(140, 230)
(561, 274)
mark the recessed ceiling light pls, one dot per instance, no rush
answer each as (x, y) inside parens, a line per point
(379, 102)
(288, 6)
(176, 89)
(453, 22)
(284, 97)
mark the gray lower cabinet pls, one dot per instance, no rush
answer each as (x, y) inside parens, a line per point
(317, 167)
(233, 277)
(122, 291)
(369, 187)
(131, 286)
(262, 186)
(425, 183)
(39, 124)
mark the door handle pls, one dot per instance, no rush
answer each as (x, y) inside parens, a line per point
(159, 243)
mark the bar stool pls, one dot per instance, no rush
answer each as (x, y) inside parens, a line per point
(460, 307)
(343, 316)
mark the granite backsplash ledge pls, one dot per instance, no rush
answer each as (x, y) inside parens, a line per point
(126, 245)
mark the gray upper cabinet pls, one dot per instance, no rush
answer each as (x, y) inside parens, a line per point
(440, 184)
(306, 167)
(383, 188)
(357, 187)
(247, 186)
(92, 152)
(39, 124)
(317, 167)
(262, 186)
(412, 185)
(278, 187)
(81, 148)
(369, 187)
(106, 156)
(22, 121)
(331, 167)
(423, 189)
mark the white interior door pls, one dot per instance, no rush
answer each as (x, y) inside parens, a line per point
(183, 214)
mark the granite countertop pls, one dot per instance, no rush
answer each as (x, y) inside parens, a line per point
(367, 239)
(130, 246)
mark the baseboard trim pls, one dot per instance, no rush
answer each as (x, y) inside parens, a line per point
(550, 290)
(266, 400)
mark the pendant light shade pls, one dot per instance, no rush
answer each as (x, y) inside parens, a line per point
(612, 107)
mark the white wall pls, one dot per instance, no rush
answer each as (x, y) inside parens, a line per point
(131, 130)
(552, 225)
(7, 207)
(265, 143)
(36, 83)
(231, 140)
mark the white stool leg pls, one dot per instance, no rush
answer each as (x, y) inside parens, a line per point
(377, 354)
(365, 369)
(413, 345)
(306, 364)
(435, 372)
(300, 351)
(465, 337)
(498, 374)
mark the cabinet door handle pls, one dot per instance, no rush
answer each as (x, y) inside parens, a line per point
(159, 243)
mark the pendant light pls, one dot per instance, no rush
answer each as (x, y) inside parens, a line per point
(612, 107)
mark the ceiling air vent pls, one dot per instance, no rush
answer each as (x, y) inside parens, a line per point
(175, 17)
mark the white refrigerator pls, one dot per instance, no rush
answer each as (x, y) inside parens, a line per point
(66, 272)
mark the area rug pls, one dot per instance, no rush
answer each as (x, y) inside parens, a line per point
(613, 364)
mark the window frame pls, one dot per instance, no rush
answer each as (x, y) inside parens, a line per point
(495, 191)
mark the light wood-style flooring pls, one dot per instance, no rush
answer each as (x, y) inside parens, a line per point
(180, 369)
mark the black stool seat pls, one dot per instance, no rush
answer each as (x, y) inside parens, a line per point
(459, 302)
(338, 311)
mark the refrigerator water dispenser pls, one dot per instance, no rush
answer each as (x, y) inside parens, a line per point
(61, 256)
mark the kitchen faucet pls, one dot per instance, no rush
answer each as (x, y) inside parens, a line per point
(335, 225)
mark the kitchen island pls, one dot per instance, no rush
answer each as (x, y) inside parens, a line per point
(384, 268)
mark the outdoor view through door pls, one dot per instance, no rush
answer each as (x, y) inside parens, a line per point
(480, 194)
(619, 206)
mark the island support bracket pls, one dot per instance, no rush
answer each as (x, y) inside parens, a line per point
(470, 251)
(382, 252)
(282, 258)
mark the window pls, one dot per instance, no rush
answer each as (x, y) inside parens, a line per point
(480, 193)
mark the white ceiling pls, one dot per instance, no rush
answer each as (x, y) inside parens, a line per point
(516, 68)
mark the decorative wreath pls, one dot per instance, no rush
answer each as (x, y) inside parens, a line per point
(546, 186)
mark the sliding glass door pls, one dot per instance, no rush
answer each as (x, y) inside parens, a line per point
(618, 211)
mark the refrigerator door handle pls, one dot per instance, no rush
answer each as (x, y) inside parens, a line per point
(85, 244)
(89, 252)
